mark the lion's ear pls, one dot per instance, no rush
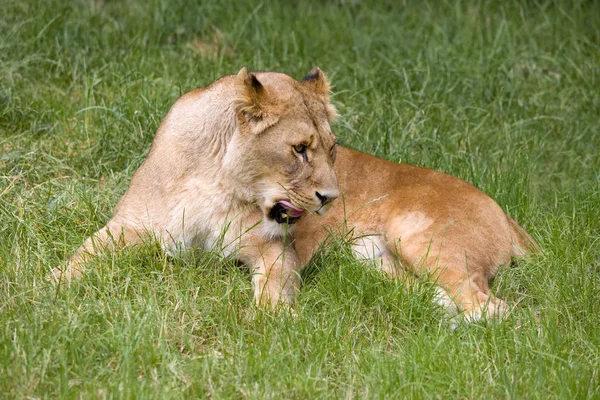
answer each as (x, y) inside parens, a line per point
(251, 102)
(317, 80)
(319, 83)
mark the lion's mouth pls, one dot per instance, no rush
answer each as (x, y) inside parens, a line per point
(285, 212)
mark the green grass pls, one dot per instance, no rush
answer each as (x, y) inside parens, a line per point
(503, 94)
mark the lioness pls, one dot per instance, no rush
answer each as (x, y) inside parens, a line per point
(249, 165)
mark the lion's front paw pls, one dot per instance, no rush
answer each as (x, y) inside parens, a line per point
(273, 295)
(66, 274)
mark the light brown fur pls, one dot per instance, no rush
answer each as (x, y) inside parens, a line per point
(226, 154)
(425, 221)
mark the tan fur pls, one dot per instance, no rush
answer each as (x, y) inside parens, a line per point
(432, 224)
(224, 156)
(221, 159)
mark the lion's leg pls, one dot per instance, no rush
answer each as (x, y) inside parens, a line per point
(372, 248)
(276, 272)
(110, 237)
(460, 271)
(469, 290)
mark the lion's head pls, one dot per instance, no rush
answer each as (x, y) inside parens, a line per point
(284, 148)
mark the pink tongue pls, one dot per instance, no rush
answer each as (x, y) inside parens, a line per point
(293, 211)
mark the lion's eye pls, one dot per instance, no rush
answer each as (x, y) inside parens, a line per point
(300, 148)
(332, 151)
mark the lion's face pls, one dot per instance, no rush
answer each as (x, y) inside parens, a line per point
(286, 148)
(298, 174)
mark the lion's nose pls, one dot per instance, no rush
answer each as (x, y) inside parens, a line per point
(326, 197)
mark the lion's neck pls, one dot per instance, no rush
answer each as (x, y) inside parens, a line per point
(196, 143)
(203, 125)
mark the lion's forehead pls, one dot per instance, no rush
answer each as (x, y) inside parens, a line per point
(324, 134)
(314, 131)
(305, 114)
(312, 116)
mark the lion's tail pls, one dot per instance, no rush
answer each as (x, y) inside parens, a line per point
(522, 242)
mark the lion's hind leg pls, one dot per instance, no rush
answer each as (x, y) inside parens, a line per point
(469, 291)
(463, 281)
(110, 237)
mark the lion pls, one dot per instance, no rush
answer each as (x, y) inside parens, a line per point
(249, 166)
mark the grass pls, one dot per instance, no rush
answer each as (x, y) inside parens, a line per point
(503, 94)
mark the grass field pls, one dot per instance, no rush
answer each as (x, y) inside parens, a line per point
(503, 94)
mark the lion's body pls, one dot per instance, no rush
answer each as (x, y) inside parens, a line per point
(412, 218)
(232, 164)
